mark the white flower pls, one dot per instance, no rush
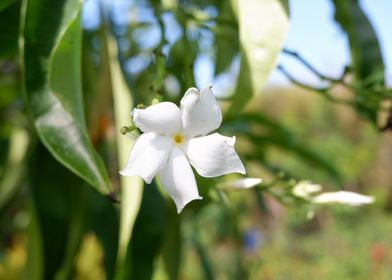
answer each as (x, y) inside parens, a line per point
(343, 197)
(305, 188)
(174, 139)
(244, 183)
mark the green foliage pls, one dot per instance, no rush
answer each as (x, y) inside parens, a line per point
(171, 250)
(279, 136)
(132, 188)
(9, 25)
(147, 237)
(62, 137)
(226, 38)
(367, 62)
(60, 202)
(52, 81)
(365, 49)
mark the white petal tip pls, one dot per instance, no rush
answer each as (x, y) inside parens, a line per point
(124, 172)
(181, 206)
(147, 180)
(127, 173)
(135, 113)
(230, 141)
(241, 168)
(192, 90)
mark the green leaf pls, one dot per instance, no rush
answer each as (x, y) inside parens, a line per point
(131, 187)
(51, 62)
(366, 56)
(105, 224)
(171, 251)
(365, 49)
(263, 25)
(75, 230)
(34, 267)
(6, 3)
(9, 26)
(147, 237)
(60, 201)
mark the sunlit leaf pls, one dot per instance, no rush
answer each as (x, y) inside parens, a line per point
(148, 235)
(262, 29)
(52, 79)
(132, 187)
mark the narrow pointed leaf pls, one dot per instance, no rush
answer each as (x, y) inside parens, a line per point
(366, 57)
(51, 62)
(148, 235)
(365, 48)
(132, 187)
(34, 267)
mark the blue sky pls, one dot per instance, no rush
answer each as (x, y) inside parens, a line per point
(315, 35)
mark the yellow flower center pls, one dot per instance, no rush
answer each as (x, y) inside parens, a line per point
(178, 138)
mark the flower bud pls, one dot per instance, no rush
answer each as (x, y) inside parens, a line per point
(305, 188)
(343, 197)
(244, 183)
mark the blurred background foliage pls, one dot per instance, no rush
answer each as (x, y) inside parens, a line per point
(67, 87)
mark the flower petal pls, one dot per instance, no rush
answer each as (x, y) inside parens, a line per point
(201, 113)
(164, 117)
(148, 156)
(214, 155)
(178, 180)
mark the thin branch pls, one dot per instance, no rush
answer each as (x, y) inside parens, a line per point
(324, 91)
(314, 70)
